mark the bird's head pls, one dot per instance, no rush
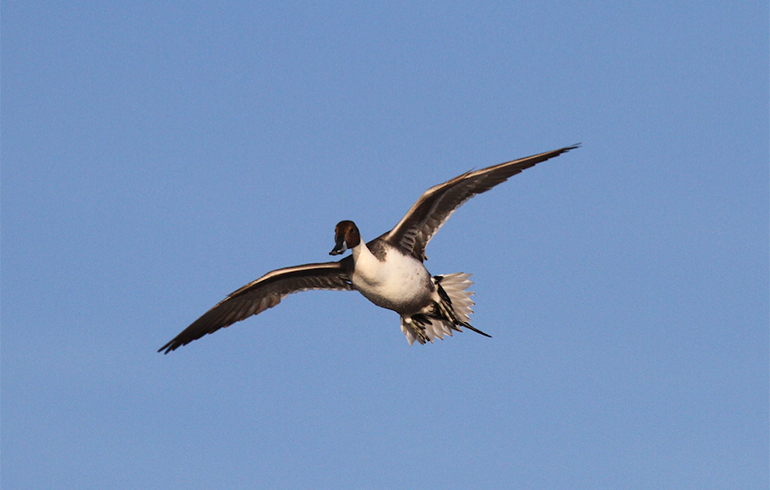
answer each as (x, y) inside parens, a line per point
(345, 236)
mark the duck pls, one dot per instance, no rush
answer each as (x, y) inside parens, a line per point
(389, 270)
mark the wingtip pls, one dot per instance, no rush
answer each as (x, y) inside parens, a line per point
(566, 149)
(168, 348)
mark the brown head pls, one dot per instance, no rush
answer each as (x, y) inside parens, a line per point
(345, 236)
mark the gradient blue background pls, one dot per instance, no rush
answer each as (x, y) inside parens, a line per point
(157, 156)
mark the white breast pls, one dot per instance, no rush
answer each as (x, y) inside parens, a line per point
(400, 282)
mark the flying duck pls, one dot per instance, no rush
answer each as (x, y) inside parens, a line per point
(388, 270)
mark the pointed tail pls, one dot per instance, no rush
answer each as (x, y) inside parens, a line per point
(452, 312)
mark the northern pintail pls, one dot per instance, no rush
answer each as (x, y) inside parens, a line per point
(388, 270)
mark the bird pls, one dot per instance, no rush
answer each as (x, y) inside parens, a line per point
(388, 270)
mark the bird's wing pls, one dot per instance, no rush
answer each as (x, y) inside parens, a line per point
(264, 293)
(437, 204)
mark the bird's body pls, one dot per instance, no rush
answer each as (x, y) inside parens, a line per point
(388, 270)
(396, 281)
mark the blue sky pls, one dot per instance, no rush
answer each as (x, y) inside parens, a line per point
(157, 156)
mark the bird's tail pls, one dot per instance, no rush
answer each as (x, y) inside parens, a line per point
(451, 312)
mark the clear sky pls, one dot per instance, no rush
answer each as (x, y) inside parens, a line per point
(158, 155)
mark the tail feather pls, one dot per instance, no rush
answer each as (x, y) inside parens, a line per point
(455, 286)
(424, 329)
(452, 312)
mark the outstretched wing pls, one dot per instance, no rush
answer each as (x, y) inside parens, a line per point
(264, 293)
(437, 204)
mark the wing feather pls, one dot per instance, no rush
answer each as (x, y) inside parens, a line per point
(264, 293)
(438, 203)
